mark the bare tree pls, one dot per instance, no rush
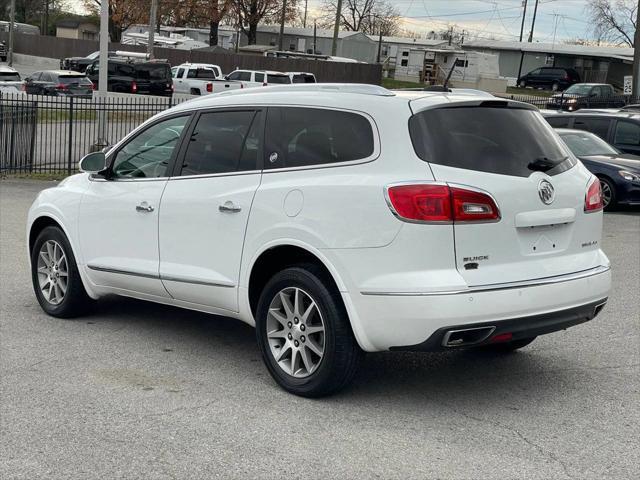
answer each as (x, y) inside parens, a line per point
(368, 16)
(253, 12)
(614, 20)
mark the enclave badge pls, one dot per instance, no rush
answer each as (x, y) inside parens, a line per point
(546, 192)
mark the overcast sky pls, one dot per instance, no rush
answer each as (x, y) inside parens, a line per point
(499, 19)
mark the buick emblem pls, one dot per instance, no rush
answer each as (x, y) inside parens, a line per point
(546, 192)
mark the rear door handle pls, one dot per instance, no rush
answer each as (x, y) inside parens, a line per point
(229, 207)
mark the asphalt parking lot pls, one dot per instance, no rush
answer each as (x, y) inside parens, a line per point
(137, 390)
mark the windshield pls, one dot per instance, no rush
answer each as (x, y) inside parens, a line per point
(9, 77)
(506, 141)
(93, 56)
(578, 89)
(70, 79)
(583, 144)
(303, 78)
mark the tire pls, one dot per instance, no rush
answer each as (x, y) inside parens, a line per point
(314, 375)
(64, 299)
(555, 86)
(522, 84)
(608, 194)
(508, 347)
(195, 91)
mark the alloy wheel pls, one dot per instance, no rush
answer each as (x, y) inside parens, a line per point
(295, 332)
(606, 193)
(53, 272)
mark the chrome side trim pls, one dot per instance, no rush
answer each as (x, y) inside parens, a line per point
(500, 286)
(158, 277)
(195, 282)
(122, 272)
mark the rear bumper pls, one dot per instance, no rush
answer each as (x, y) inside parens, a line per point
(409, 321)
(517, 328)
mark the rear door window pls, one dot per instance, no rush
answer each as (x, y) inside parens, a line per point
(300, 137)
(627, 133)
(599, 126)
(223, 142)
(558, 122)
(506, 141)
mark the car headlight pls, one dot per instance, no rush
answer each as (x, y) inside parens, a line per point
(572, 100)
(630, 176)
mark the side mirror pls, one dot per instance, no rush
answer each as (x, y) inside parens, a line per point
(93, 163)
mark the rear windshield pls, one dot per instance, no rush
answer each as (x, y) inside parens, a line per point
(9, 77)
(278, 79)
(69, 79)
(506, 141)
(153, 72)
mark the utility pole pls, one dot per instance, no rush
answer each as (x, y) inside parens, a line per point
(102, 74)
(152, 26)
(450, 35)
(304, 19)
(315, 38)
(533, 22)
(635, 89)
(284, 13)
(524, 17)
(12, 20)
(336, 29)
(380, 44)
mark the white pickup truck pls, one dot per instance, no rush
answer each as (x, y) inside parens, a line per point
(200, 79)
(10, 81)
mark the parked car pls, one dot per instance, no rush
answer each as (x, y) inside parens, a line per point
(145, 77)
(200, 79)
(619, 173)
(3, 51)
(59, 83)
(620, 129)
(302, 77)
(10, 81)
(259, 78)
(327, 218)
(586, 95)
(555, 78)
(80, 64)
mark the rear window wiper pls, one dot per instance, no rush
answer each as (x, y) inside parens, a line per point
(543, 164)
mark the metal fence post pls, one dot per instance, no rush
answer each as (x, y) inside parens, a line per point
(70, 151)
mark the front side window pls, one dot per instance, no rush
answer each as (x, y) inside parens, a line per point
(627, 133)
(223, 142)
(149, 153)
(300, 137)
(259, 77)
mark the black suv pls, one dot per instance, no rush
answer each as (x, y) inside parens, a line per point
(587, 95)
(147, 77)
(554, 78)
(622, 130)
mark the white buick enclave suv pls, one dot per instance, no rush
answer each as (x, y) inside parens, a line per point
(337, 219)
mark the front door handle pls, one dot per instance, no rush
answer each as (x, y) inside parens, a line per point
(144, 207)
(229, 207)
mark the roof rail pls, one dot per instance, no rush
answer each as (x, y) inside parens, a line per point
(361, 88)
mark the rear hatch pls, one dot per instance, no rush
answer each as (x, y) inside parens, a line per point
(76, 85)
(510, 153)
(154, 78)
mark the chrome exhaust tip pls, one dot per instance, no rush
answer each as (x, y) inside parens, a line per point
(598, 308)
(466, 336)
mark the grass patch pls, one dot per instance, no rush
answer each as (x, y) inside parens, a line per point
(529, 92)
(391, 83)
(47, 115)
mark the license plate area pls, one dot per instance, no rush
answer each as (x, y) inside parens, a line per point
(544, 239)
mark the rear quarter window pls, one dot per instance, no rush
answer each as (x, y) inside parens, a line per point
(599, 126)
(494, 140)
(301, 137)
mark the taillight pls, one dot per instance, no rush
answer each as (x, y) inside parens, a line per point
(209, 87)
(565, 76)
(134, 87)
(61, 86)
(441, 203)
(593, 198)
